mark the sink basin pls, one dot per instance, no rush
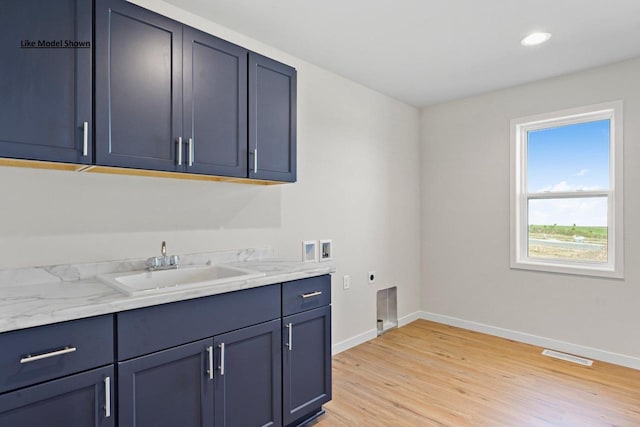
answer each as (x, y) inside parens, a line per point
(159, 281)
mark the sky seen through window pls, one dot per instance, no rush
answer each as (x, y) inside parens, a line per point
(569, 158)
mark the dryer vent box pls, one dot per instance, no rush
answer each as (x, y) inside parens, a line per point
(387, 301)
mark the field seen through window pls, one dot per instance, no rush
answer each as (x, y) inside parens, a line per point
(570, 242)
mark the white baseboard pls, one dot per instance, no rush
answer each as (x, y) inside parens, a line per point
(575, 349)
(353, 341)
(409, 318)
(370, 334)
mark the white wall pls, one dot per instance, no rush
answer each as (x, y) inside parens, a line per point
(358, 184)
(465, 218)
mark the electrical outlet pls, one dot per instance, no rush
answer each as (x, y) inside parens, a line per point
(346, 282)
(372, 277)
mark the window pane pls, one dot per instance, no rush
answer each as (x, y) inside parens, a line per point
(570, 229)
(569, 158)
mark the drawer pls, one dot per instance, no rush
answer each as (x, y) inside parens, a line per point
(150, 329)
(30, 356)
(305, 294)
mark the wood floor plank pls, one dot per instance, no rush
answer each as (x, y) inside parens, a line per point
(429, 374)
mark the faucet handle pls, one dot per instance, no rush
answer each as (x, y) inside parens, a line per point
(153, 262)
(163, 248)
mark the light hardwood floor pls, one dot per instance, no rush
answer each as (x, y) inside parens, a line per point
(429, 374)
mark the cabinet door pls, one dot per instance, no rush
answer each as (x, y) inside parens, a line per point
(77, 400)
(215, 105)
(138, 90)
(45, 93)
(248, 377)
(167, 388)
(272, 119)
(306, 363)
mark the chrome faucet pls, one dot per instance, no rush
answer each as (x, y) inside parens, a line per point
(163, 262)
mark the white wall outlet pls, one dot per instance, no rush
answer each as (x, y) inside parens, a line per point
(346, 281)
(372, 277)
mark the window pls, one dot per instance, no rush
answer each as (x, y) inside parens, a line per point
(566, 191)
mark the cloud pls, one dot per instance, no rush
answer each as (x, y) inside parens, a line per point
(582, 172)
(590, 211)
(561, 186)
(564, 186)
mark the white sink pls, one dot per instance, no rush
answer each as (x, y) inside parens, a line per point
(159, 281)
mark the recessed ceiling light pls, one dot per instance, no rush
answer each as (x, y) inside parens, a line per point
(534, 39)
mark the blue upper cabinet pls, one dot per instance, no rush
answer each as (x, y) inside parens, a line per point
(215, 105)
(272, 119)
(166, 97)
(45, 92)
(138, 88)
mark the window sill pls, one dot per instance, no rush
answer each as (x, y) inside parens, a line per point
(586, 269)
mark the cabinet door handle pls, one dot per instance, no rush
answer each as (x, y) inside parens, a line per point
(107, 397)
(179, 151)
(29, 358)
(311, 294)
(221, 358)
(255, 160)
(290, 343)
(210, 370)
(85, 138)
(191, 152)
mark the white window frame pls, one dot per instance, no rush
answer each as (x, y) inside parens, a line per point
(520, 194)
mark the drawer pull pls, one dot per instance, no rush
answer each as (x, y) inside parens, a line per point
(312, 294)
(107, 397)
(29, 358)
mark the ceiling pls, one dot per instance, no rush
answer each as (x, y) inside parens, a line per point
(425, 52)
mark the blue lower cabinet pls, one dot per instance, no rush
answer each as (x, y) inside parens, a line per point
(306, 363)
(232, 380)
(248, 377)
(227, 360)
(167, 388)
(84, 399)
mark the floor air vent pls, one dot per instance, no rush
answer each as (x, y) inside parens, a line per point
(568, 357)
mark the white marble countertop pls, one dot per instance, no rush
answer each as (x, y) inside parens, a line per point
(43, 295)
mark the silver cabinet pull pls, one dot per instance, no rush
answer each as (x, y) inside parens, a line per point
(107, 397)
(312, 294)
(179, 151)
(221, 358)
(191, 152)
(290, 343)
(29, 358)
(255, 160)
(210, 370)
(85, 138)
